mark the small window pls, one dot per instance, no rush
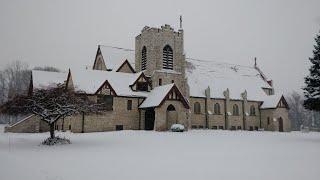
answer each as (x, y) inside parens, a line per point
(144, 58)
(200, 127)
(197, 108)
(172, 81)
(252, 111)
(214, 127)
(221, 127)
(217, 108)
(129, 105)
(70, 127)
(160, 82)
(268, 120)
(119, 127)
(239, 128)
(233, 127)
(142, 86)
(194, 127)
(251, 128)
(256, 128)
(235, 110)
(107, 101)
(167, 59)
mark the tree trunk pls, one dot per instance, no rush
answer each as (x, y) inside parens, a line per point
(51, 130)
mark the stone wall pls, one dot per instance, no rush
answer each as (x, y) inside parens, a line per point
(125, 69)
(274, 115)
(106, 121)
(99, 62)
(162, 117)
(31, 124)
(220, 120)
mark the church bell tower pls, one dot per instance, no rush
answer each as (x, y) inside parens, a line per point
(159, 53)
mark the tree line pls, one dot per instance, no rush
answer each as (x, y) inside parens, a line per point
(14, 81)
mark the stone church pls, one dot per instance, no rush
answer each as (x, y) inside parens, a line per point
(156, 86)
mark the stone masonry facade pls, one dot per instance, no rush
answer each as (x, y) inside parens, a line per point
(134, 118)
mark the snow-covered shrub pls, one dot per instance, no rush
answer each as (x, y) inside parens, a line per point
(56, 140)
(177, 128)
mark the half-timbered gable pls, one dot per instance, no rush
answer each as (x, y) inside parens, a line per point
(106, 89)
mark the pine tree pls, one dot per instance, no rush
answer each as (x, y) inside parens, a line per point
(312, 81)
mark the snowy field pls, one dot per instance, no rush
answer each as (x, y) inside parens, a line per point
(144, 155)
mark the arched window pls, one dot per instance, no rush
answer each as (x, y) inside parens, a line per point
(171, 108)
(144, 58)
(167, 60)
(197, 108)
(235, 110)
(252, 110)
(217, 108)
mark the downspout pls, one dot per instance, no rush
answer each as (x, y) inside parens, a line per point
(225, 114)
(139, 114)
(206, 113)
(260, 118)
(243, 116)
(244, 110)
(82, 131)
(226, 102)
(207, 92)
(139, 119)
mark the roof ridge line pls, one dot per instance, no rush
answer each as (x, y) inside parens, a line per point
(202, 60)
(115, 47)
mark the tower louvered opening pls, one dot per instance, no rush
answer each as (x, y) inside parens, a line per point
(144, 58)
(167, 60)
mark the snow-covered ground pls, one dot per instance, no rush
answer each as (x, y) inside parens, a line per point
(143, 155)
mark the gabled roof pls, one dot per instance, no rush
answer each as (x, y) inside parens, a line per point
(114, 57)
(89, 81)
(158, 95)
(46, 79)
(220, 76)
(271, 102)
(126, 62)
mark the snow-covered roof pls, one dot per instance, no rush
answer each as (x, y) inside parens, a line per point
(222, 76)
(271, 101)
(45, 79)
(156, 96)
(89, 81)
(114, 57)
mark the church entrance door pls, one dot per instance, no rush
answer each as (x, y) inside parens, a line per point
(149, 119)
(280, 124)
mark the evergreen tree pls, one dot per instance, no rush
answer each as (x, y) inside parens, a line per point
(312, 81)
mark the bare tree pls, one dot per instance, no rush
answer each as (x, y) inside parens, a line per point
(297, 113)
(47, 68)
(17, 78)
(51, 105)
(3, 89)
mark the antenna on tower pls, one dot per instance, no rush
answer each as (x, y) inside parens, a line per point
(180, 21)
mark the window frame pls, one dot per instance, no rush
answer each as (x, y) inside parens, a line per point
(235, 110)
(144, 58)
(129, 105)
(103, 100)
(167, 57)
(217, 109)
(197, 108)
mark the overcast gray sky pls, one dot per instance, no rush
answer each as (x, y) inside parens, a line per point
(65, 33)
